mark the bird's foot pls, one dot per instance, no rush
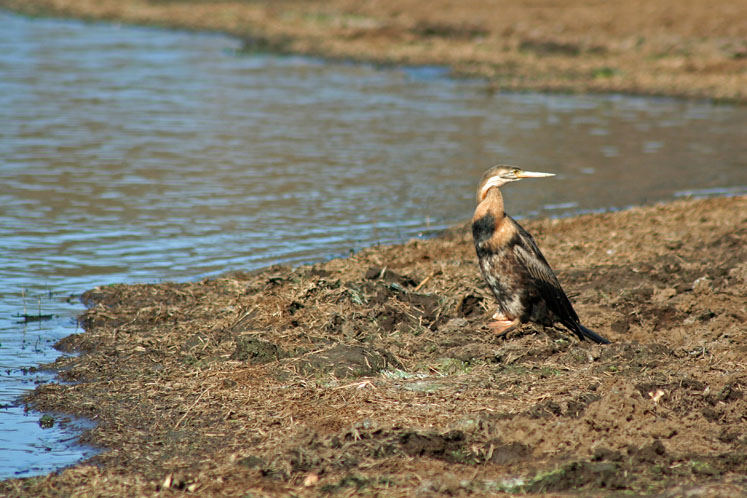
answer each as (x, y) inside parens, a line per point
(502, 327)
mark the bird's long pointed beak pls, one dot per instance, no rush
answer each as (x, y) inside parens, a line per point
(533, 174)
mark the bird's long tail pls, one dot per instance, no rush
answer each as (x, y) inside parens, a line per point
(590, 334)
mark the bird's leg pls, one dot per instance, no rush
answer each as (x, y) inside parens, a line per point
(501, 325)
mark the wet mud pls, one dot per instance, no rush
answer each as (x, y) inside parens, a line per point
(378, 374)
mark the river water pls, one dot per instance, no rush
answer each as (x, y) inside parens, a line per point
(138, 155)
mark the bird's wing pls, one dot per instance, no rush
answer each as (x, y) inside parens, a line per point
(544, 278)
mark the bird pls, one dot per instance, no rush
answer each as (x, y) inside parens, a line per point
(523, 283)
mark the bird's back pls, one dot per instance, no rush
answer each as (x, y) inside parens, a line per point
(541, 277)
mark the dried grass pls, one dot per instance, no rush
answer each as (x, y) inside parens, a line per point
(377, 374)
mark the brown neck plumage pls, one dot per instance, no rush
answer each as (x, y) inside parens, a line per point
(491, 202)
(489, 224)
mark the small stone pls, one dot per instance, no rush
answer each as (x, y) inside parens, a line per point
(455, 326)
(702, 285)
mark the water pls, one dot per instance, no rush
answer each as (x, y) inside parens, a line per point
(137, 155)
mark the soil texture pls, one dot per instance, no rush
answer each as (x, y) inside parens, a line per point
(377, 374)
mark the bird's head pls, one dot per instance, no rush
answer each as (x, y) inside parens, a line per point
(498, 176)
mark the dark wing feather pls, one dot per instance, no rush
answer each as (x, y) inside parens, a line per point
(544, 279)
(548, 287)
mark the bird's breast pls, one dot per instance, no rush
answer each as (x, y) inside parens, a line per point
(492, 233)
(483, 228)
(505, 281)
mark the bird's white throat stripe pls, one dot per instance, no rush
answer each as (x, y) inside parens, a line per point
(496, 181)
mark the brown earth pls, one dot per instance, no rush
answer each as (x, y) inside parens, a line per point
(692, 48)
(376, 374)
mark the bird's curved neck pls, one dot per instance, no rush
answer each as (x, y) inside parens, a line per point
(493, 203)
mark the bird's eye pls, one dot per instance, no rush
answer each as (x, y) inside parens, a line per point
(515, 171)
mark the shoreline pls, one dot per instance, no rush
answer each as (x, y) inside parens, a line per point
(693, 51)
(377, 372)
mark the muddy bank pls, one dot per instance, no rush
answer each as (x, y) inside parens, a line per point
(692, 49)
(377, 373)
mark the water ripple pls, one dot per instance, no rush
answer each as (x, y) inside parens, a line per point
(130, 154)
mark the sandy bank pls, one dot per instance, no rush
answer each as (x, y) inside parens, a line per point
(693, 48)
